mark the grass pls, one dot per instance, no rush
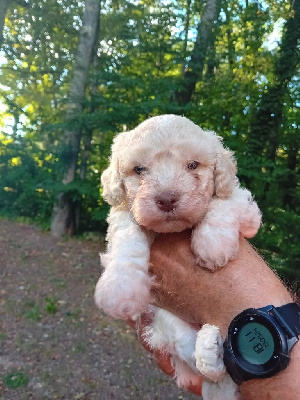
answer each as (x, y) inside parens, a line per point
(51, 304)
(33, 312)
(15, 379)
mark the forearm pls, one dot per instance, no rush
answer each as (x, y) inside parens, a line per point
(283, 386)
(200, 296)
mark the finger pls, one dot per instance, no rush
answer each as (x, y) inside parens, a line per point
(144, 320)
(164, 362)
(131, 322)
(196, 388)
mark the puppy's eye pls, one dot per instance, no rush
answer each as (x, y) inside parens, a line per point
(193, 165)
(139, 170)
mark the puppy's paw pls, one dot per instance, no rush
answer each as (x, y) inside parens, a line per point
(205, 263)
(209, 353)
(214, 247)
(225, 389)
(123, 296)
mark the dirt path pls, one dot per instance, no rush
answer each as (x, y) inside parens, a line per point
(54, 343)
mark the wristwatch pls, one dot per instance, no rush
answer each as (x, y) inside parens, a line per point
(260, 340)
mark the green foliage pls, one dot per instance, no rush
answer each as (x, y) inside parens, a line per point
(15, 380)
(51, 304)
(278, 240)
(25, 181)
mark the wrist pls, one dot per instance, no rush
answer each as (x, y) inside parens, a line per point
(284, 385)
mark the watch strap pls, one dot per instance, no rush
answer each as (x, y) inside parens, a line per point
(289, 316)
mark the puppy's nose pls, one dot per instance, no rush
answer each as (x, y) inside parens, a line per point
(166, 201)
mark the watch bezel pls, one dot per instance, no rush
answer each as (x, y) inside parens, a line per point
(237, 366)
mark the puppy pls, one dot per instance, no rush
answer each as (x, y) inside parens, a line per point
(168, 175)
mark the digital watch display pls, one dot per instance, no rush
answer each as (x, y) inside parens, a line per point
(260, 340)
(255, 343)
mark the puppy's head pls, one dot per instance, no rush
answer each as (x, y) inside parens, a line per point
(166, 171)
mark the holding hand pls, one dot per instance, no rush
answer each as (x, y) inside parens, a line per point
(199, 296)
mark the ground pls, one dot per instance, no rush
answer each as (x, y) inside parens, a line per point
(54, 343)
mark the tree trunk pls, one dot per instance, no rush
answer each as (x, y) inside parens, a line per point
(64, 215)
(87, 140)
(195, 68)
(265, 127)
(186, 33)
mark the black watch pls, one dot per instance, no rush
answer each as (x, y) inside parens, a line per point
(260, 340)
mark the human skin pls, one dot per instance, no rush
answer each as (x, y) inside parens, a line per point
(200, 296)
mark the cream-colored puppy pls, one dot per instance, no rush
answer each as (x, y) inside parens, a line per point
(168, 175)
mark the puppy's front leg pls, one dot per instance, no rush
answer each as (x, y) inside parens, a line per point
(215, 241)
(168, 333)
(218, 385)
(123, 290)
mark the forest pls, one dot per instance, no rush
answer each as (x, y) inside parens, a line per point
(75, 73)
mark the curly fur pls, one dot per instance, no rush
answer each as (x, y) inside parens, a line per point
(168, 175)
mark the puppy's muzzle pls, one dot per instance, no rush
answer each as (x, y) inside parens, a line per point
(167, 201)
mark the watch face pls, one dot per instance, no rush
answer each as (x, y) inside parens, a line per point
(255, 343)
(256, 347)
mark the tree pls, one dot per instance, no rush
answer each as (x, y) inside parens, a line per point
(204, 40)
(151, 57)
(40, 41)
(273, 152)
(64, 218)
(4, 5)
(266, 122)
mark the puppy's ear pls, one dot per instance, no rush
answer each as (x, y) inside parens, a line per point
(225, 173)
(112, 186)
(111, 181)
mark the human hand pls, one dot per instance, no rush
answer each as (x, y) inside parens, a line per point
(200, 297)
